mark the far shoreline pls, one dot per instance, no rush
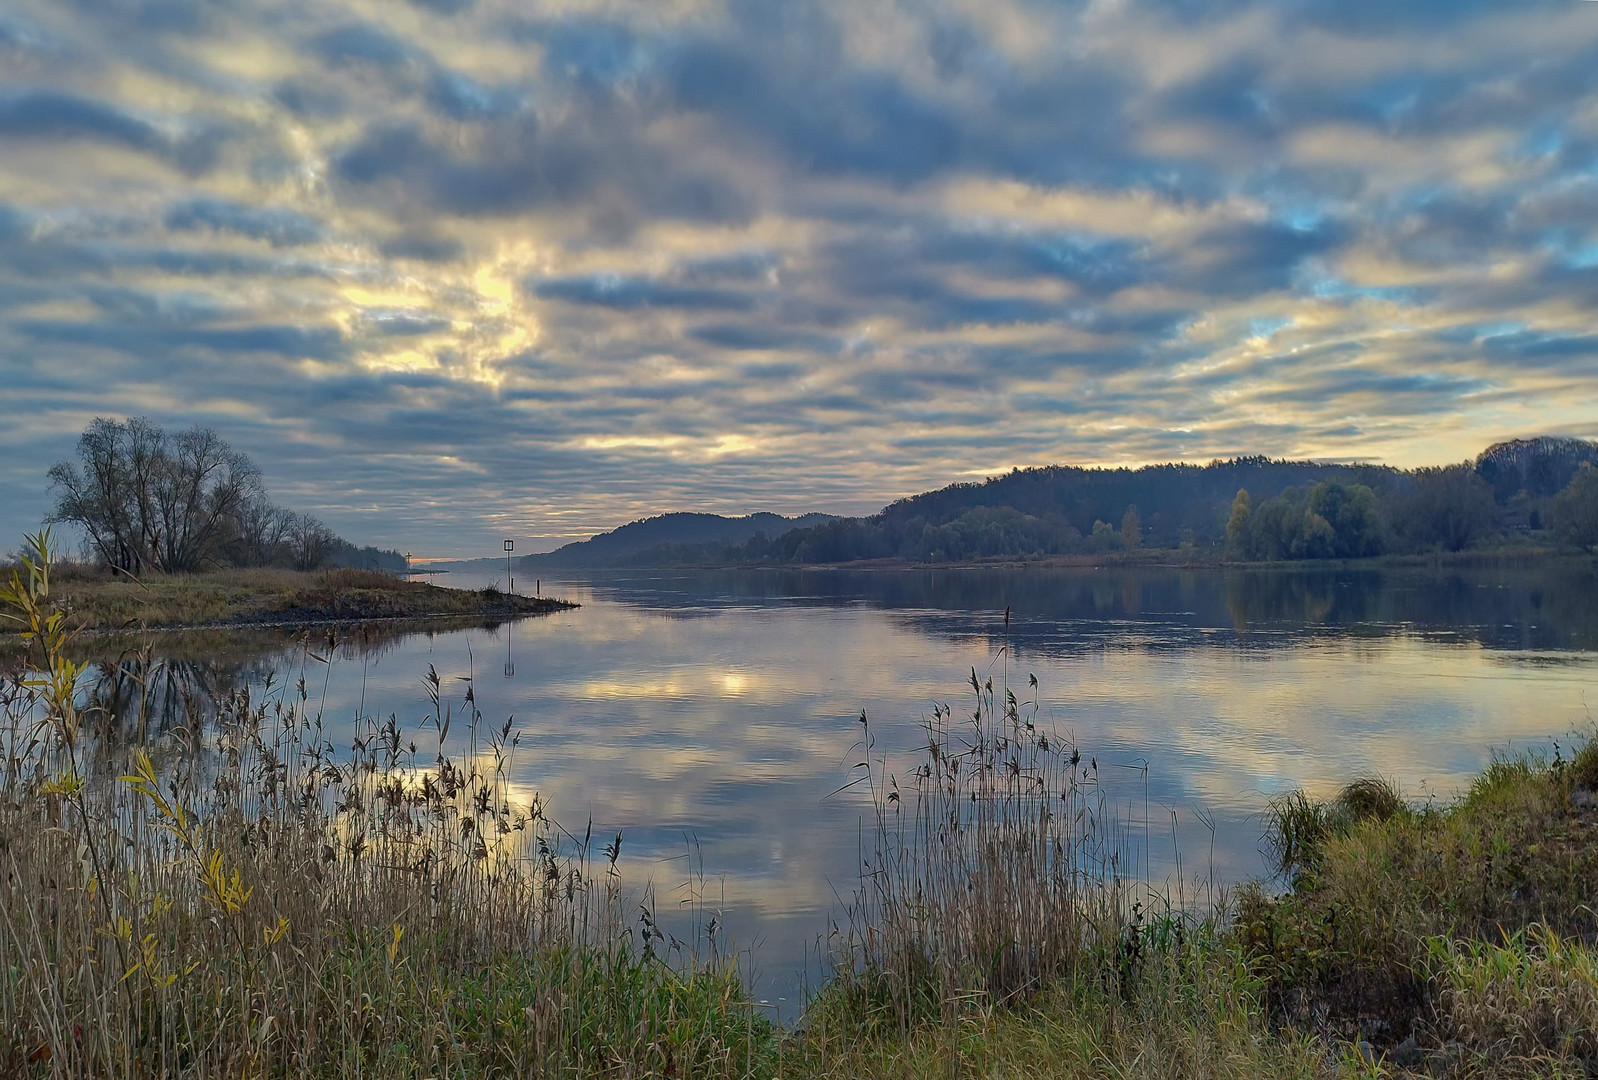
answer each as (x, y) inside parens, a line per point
(1148, 558)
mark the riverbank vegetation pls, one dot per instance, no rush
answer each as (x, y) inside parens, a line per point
(90, 597)
(235, 893)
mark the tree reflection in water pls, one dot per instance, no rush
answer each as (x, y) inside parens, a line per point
(154, 683)
(144, 696)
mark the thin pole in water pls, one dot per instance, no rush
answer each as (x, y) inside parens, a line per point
(510, 580)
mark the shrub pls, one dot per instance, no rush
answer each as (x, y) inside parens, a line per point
(1370, 799)
(1374, 881)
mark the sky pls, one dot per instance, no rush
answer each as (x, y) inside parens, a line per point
(457, 270)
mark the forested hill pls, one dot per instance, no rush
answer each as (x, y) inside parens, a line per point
(1169, 498)
(1541, 490)
(669, 538)
(1062, 509)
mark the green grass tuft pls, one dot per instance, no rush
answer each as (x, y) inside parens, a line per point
(1583, 772)
(1370, 798)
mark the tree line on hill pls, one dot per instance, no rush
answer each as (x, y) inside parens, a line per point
(1543, 489)
(1250, 508)
(149, 500)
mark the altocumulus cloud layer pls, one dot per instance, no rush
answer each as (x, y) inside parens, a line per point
(456, 269)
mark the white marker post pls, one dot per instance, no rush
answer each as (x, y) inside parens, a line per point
(510, 546)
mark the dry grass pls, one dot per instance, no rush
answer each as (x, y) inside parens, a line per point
(1002, 928)
(993, 871)
(1299, 830)
(242, 898)
(1583, 774)
(262, 596)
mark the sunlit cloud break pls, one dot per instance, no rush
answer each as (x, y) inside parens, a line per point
(455, 270)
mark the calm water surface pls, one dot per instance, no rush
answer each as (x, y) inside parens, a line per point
(709, 716)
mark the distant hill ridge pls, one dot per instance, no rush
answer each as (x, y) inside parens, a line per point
(1511, 487)
(666, 535)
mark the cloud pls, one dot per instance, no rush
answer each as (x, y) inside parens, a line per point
(62, 116)
(461, 98)
(584, 263)
(853, 122)
(1254, 257)
(38, 114)
(278, 226)
(617, 291)
(14, 224)
(26, 40)
(742, 266)
(601, 165)
(769, 339)
(290, 341)
(152, 16)
(405, 323)
(588, 53)
(422, 246)
(445, 7)
(361, 43)
(1530, 346)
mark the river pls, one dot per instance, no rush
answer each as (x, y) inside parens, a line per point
(711, 717)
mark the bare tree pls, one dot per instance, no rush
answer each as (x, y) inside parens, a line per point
(199, 493)
(102, 497)
(151, 501)
(311, 543)
(262, 533)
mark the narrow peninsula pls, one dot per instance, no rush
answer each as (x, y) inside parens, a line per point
(272, 597)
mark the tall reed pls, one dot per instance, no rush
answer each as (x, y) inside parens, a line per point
(241, 897)
(1000, 867)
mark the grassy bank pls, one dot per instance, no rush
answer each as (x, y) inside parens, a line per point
(96, 600)
(246, 897)
(1458, 938)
